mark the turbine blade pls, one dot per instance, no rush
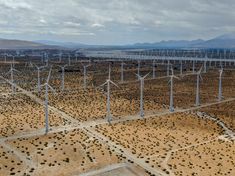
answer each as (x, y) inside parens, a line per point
(103, 84)
(36, 66)
(176, 77)
(16, 70)
(200, 70)
(146, 75)
(138, 75)
(7, 73)
(201, 77)
(87, 65)
(49, 75)
(53, 90)
(114, 83)
(43, 85)
(169, 82)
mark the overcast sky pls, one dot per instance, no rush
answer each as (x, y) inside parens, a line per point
(115, 21)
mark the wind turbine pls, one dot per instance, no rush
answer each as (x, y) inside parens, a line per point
(39, 70)
(171, 81)
(29, 64)
(142, 94)
(47, 86)
(85, 75)
(62, 77)
(11, 71)
(220, 96)
(198, 87)
(108, 82)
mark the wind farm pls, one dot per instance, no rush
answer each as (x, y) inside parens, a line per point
(117, 88)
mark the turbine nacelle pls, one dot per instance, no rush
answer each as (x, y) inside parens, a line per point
(142, 77)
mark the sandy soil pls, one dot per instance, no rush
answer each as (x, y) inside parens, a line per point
(152, 139)
(224, 112)
(65, 153)
(10, 164)
(214, 158)
(18, 113)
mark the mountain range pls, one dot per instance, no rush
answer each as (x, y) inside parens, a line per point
(223, 41)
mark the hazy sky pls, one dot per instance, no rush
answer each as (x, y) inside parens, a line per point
(115, 21)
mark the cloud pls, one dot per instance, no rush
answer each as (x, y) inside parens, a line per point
(14, 4)
(116, 21)
(97, 25)
(71, 24)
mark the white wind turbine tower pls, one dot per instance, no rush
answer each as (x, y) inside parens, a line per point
(69, 60)
(220, 96)
(47, 86)
(171, 81)
(60, 56)
(168, 67)
(5, 57)
(193, 66)
(205, 64)
(38, 71)
(11, 71)
(138, 69)
(198, 87)
(181, 67)
(42, 58)
(154, 69)
(62, 77)
(122, 69)
(205, 67)
(85, 75)
(13, 61)
(76, 56)
(142, 94)
(108, 82)
(46, 59)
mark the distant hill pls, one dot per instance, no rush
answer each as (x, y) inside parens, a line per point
(70, 45)
(223, 41)
(21, 44)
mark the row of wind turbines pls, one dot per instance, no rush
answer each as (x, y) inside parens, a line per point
(171, 83)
